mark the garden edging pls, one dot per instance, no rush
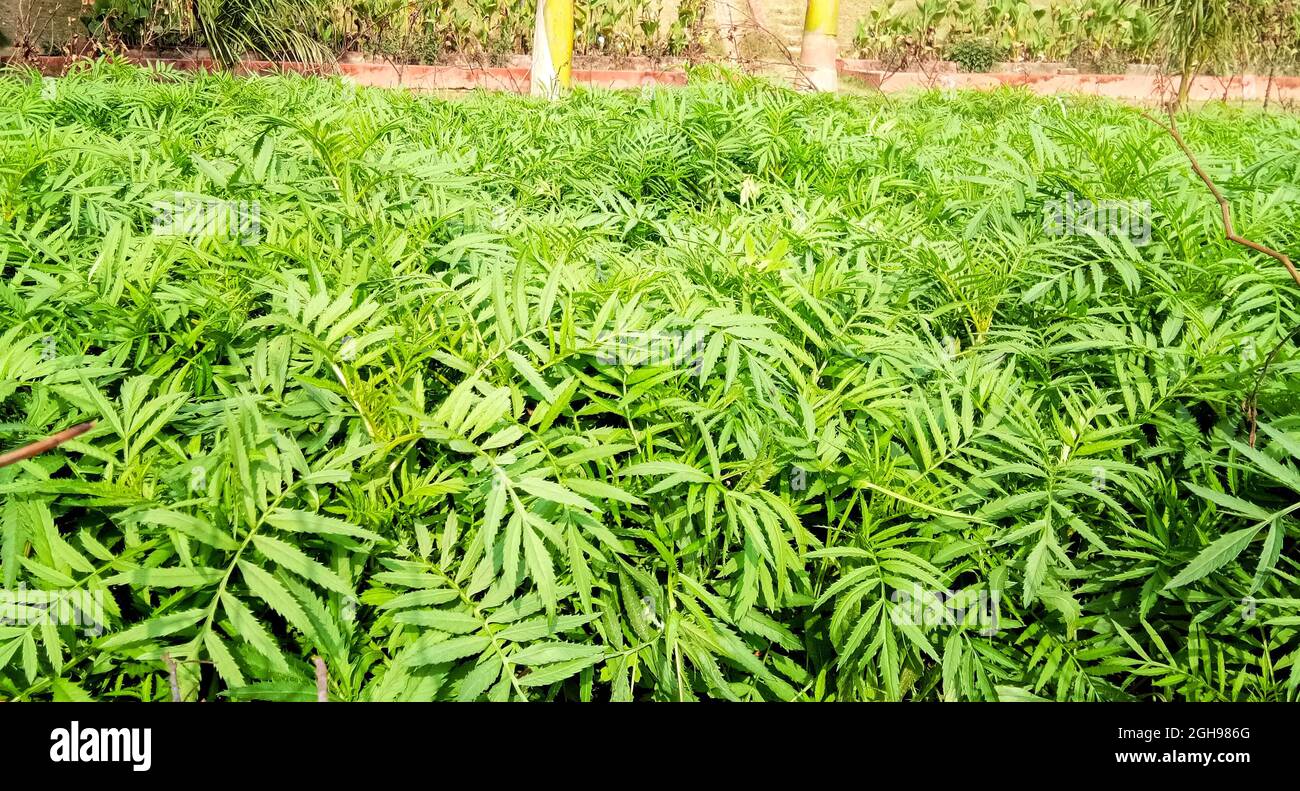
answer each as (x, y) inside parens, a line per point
(515, 78)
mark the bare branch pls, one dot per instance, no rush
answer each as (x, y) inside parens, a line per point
(171, 677)
(1250, 407)
(49, 443)
(322, 681)
(1224, 208)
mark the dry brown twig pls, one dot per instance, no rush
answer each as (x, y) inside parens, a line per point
(1250, 407)
(171, 677)
(49, 443)
(322, 680)
(803, 81)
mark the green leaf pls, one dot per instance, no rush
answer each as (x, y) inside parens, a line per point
(449, 650)
(540, 568)
(156, 627)
(268, 589)
(442, 620)
(304, 522)
(222, 659)
(249, 629)
(559, 671)
(295, 560)
(1217, 555)
(546, 653)
(548, 490)
(193, 526)
(601, 489)
(166, 577)
(530, 374)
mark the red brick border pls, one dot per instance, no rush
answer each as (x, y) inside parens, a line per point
(418, 77)
(1132, 87)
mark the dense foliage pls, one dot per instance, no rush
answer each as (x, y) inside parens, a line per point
(973, 54)
(384, 426)
(1092, 31)
(408, 31)
(1096, 35)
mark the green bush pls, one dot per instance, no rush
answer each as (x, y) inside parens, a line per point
(974, 55)
(420, 31)
(1021, 29)
(698, 393)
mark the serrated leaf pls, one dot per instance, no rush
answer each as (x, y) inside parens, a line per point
(1214, 557)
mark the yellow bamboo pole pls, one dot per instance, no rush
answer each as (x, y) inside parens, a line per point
(552, 48)
(819, 52)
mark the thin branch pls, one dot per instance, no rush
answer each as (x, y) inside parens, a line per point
(171, 677)
(49, 443)
(322, 681)
(790, 59)
(1250, 407)
(1224, 208)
